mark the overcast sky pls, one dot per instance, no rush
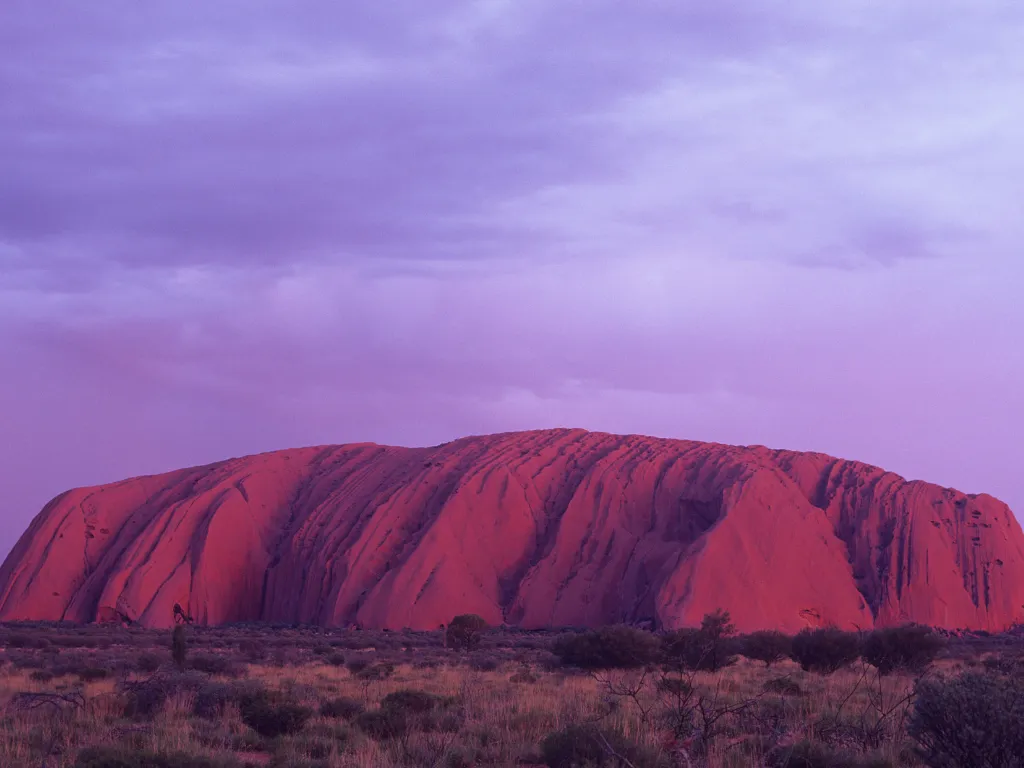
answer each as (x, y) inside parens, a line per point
(237, 226)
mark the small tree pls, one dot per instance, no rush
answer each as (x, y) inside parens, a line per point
(709, 648)
(908, 649)
(179, 646)
(768, 646)
(718, 630)
(825, 650)
(465, 631)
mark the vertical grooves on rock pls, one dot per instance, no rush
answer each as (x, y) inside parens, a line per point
(599, 528)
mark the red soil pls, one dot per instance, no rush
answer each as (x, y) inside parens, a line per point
(559, 527)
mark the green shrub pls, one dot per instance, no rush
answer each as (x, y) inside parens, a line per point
(286, 761)
(1005, 664)
(617, 647)
(410, 702)
(214, 664)
(355, 666)
(272, 718)
(465, 631)
(213, 696)
(118, 757)
(523, 676)
(709, 648)
(252, 650)
(18, 640)
(408, 710)
(305, 750)
(906, 649)
(92, 674)
(587, 746)
(148, 662)
(971, 720)
(484, 663)
(783, 686)
(382, 724)
(678, 687)
(341, 708)
(143, 699)
(210, 700)
(807, 754)
(380, 671)
(825, 650)
(768, 646)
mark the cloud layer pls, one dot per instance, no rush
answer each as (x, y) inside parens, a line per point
(269, 224)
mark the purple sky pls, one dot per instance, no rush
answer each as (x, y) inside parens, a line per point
(237, 226)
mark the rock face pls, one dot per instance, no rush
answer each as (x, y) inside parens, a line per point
(560, 527)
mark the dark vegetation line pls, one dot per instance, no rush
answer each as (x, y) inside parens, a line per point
(904, 696)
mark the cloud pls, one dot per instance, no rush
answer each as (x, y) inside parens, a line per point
(267, 224)
(562, 129)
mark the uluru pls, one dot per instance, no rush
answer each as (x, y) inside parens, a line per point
(532, 529)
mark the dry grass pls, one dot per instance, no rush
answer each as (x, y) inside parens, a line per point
(503, 714)
(503, 725)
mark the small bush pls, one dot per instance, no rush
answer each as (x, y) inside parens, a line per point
(709, 648)
(286, 657)
(465, 632)
(341, 708)
(270, 717)
(825, 650)
(118, 757)
(971, 720)
(583, 746)
(252, 650)
(484, 663)
(523, 676)
(22, 660)
(459, 757)
(618, 647)
(335, 659)
(27, 641)
(381, 724)
(381, 671)
(409, 701)
(92, 674)
(768, 646)
(1005, 664)
(272, 720)
(355, 666)
(783, 686)
(148, 663)
(214, 664)
(408, 710)
(306, 750)
(676, 686)
(211, 699)
(807, 754)
(906, 649)
(145, 698)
